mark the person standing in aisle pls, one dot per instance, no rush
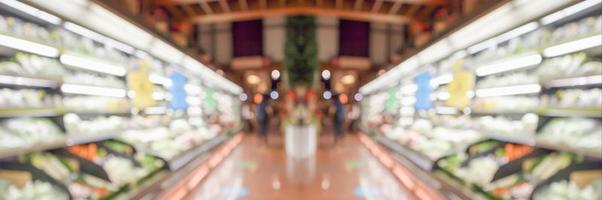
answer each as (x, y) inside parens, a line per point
(262, 117)
(338, 118)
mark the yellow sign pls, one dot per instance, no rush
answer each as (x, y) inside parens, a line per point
(140, 84)
(460, 87)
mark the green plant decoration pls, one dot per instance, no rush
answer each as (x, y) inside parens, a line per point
(301, 49)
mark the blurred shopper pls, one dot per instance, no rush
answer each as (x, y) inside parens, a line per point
(262, 117)
(338, 117)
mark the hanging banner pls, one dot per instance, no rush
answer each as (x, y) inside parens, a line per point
(423, 92)
(140, 84)
(178, 93)
(461, 85)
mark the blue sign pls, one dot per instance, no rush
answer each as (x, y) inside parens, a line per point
(178, 94)
(423, 93)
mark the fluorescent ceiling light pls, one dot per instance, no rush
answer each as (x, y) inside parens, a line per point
(509, 90)
(158, 95)
(409, 89)
(571, 10)
(192, 89)
(446, 110)
(30, 82)
(93, 90)
(508, 65)
(573, 46)
(98, 37)
(155, 110)
(408, 101)
(92, 64)
(32, 11)
(442, 80)
(27, 46)
(578, 81)
(158, 79)
(514, 33)
(194, 101)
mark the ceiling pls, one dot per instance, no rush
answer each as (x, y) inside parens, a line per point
(214, 11)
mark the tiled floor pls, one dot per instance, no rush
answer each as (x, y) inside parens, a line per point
(263, 172)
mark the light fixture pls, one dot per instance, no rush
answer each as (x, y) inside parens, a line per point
(92, 64)
(573, 46)
(193, 89)
(503, 37)
(30, 82)
(408, 101)
(571, 10)
(508, 65)
(326, 74)
(274, 95)
(158, 96)
(27, 46)
(253, 79)
(441, 80)
(98, 37)
(409, 89)
(243, 97)
(158, 79)
(358, 96)
(509, 90)
(514, 33)
(442, 110)
(275, 74)
(194, 101)
(348, 79)
(578, 81)
(327, 95)
(93, 90)
(32, 11)
(155, 110)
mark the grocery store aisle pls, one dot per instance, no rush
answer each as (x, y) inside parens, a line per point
(257, 171)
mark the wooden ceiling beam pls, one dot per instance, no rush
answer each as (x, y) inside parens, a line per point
(358, 4)
(376, 6)
(339, 4)
(189, 10)
(412, 11)
(395, 8)
(243, 5)
(225, 6)
(206, 8)
(263, 4)
(421, 2)
(178, 2)
(313, 11)
(319, 3)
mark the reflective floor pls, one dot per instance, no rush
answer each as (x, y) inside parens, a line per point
(259, 171)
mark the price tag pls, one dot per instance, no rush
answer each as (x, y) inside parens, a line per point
(139, 83)
(178, 93)
(423, 92)
(461, 85)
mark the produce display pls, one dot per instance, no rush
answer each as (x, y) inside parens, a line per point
(70, 111)
(533, 112)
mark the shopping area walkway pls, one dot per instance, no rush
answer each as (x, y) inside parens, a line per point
(258, 171)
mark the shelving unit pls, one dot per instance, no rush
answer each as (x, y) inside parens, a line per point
(535, 64)
(101, 101)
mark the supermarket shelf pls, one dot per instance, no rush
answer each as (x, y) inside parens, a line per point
(30, 112)
(570, 112)
(166, 179)
(526, 140)
(594, 153)
(20, 44)
(5, 153)
(417, 158)
(184, 158)
(23, 81)
(68, 141)
(594, 80)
